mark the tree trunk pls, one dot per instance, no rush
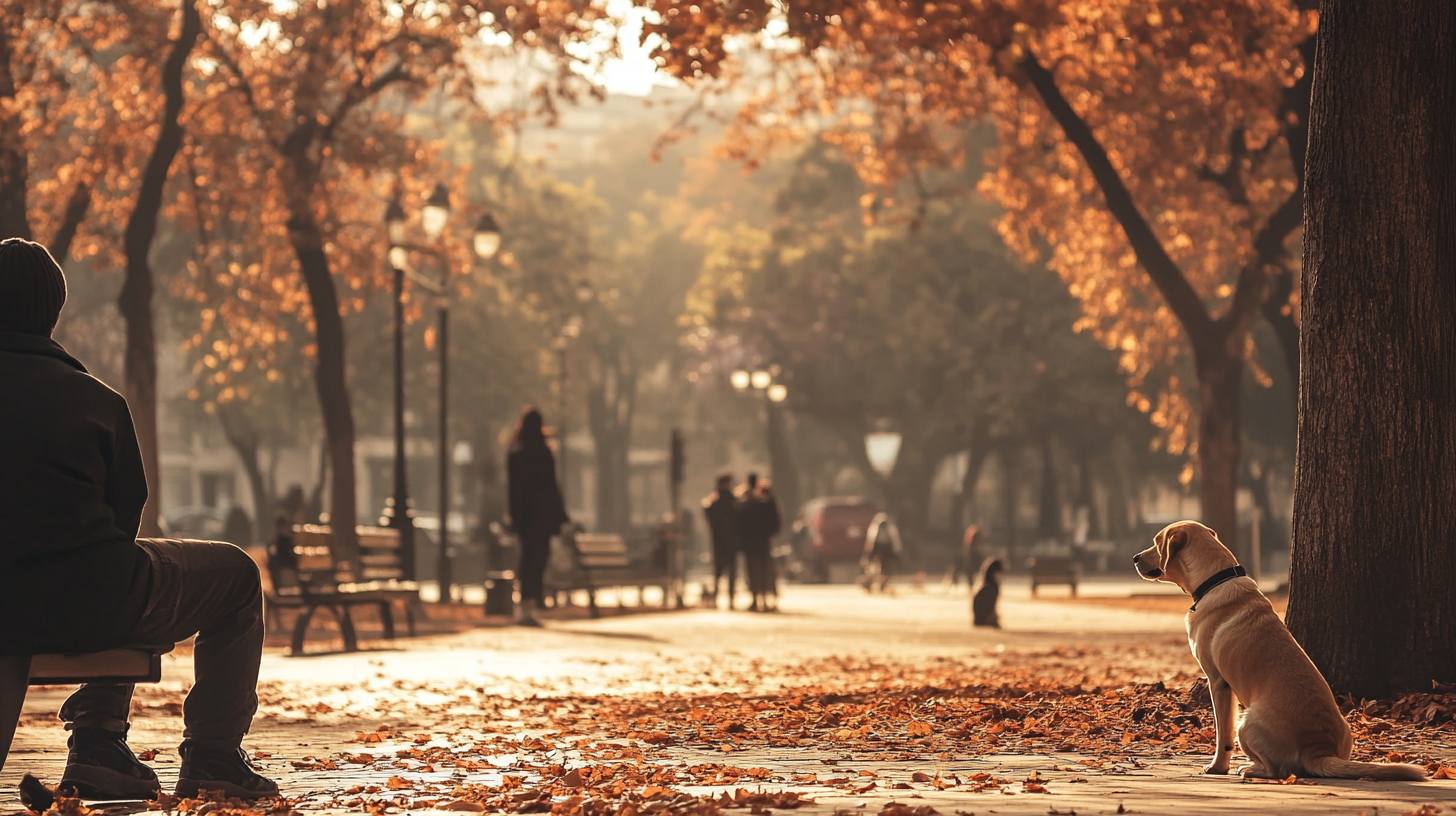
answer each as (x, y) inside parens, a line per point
(611, 407)
(1373, 584)
(76, 208)
(1219, 385)
(330, 378)
(1009, 473)
(135, 300)
(1049, 510)
(14, 161)
(781, 462)
(966, 495)
(244, 440)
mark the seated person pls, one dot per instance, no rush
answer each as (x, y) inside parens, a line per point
(75, 578)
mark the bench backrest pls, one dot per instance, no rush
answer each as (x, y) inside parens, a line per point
(380, 555)
(597, 551)
(1053, 565)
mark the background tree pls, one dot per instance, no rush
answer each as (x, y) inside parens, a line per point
(1371, 595)
(1146, 144)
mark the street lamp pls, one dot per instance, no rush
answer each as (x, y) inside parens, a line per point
(740, 380)
(487, 237)
(883, 448)
(777, 393)
(486, 242)
(397, 512)
(762, 379)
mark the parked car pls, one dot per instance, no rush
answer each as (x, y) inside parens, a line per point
(829, 530)
(197, 521)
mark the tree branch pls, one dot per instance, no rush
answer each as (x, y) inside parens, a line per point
(1162, 270)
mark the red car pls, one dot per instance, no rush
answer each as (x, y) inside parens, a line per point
(830, 530)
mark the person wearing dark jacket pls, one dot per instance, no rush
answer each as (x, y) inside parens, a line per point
(74, 577)
(721, 509)
(758, 522)
(537, 509)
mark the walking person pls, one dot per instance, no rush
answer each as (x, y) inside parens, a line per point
(758, 522)
(721, 510)
(74, 577)
(882, 550)
(537, 509)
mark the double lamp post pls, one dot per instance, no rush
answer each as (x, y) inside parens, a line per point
(486, 242)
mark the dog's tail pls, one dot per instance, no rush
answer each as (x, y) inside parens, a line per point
(1336, 768)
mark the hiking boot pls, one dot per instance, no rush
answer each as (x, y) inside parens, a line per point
(100, 765)
(231, 772)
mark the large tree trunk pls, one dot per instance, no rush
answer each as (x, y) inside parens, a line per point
(135, 300)
(14, 161)
(1049, 505)
(329, 378)
(1373, 587)
(1219, 385)
(611, 407)
(244, 440)
(781, 463)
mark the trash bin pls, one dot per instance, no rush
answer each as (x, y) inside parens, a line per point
(500, 593)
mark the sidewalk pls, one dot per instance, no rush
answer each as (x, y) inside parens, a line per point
(849, 700)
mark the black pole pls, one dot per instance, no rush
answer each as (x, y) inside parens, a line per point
(399, 514)
(561, 417)
(443, 570)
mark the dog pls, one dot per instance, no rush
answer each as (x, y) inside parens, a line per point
(983, 605)
(1291, 724)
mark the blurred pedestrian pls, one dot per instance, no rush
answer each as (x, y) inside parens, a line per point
(758, 522)
(881, 552)
(537, 509)
(238, 528)
(721, 509)
(988, 592)
(968, 560)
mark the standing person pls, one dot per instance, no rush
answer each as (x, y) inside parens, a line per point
(721, 509)
(758, 523)
(74, 577)
(882, 550)
(537, 509)
(967, 561)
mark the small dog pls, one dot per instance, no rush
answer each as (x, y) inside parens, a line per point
(1291, 724)
(983, 605)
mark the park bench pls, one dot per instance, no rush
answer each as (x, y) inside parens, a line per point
(136, 664)
(597, 561)
(320, 583)
(1049, 570)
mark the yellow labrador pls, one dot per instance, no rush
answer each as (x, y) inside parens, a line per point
(1291, 724)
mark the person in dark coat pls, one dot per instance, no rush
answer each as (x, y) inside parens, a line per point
(758, 522)
(983, 604)
(537, 509)
(74, 577)
(721, 510)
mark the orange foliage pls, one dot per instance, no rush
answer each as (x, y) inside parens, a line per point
(1184, 98)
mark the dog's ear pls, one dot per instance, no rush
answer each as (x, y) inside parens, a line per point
(1173, 542)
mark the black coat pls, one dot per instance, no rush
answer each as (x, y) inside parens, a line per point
(721, 510)
(72, 490)
(758, 521)
(537, 508)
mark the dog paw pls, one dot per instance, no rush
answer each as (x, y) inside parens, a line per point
(1217, 769)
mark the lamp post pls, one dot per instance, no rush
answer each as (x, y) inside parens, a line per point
(761, 383)
(486, 242)
(397, 511)
(570, 330)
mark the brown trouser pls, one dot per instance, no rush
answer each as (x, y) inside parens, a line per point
(203, 588)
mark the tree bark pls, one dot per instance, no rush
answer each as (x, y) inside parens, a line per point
(329, 377)
(14, 161)
(1049, 509)
(1219, 445)
(76, 208)
(611, 407)
(1373, 584)
(135, 300)
(1009, 473)
(244, 440)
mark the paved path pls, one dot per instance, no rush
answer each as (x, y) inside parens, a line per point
(447, 691)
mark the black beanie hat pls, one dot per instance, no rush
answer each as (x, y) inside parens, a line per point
(32, 288)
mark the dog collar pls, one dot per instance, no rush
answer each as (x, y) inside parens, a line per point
(1221, 577)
